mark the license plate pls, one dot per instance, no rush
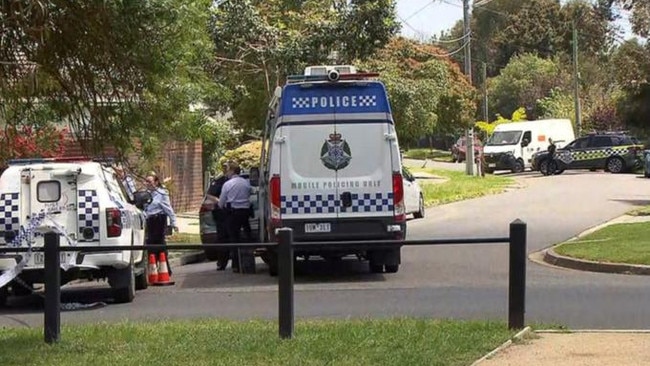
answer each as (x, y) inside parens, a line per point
(493, 165)
(39, 258)
(323, 227)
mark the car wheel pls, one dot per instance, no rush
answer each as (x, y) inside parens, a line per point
(543, 167)
(122, 281)
(518, 166)
(615, 165)
(142, 280)
(420, 213)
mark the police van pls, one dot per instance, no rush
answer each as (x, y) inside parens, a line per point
(85, 203)
(331, 167)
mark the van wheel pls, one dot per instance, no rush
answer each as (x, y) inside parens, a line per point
(376, 268)
(518, 167)
(420, 213)
(615, 165)
(122, 281)
(392, 268)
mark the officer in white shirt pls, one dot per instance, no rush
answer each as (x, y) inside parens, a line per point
(235, 200)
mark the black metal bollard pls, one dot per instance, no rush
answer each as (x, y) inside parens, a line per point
(517, 275)
(285, 283)
(52, 316)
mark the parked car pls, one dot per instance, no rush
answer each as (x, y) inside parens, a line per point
(615, 152)
(459, 149)
(413, 197)
(207, 225)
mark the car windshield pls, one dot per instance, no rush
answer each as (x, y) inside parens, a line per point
(504, 138)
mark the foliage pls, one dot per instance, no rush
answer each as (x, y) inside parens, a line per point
(113, 71)
(258, 43)
(427, 92)
(640, 18)
(526, 79)
(557, 104)
(218, 136)
(247, 155)
(488, 127)
(31, 141)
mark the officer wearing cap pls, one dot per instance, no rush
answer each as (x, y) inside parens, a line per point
(235, 199)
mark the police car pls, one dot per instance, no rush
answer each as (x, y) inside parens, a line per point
(83, 201)
(615, 152)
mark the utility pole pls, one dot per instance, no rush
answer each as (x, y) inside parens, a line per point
(576, 79)
(486, 115)
(469, 134)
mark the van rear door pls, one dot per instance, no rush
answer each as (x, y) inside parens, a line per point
(338, 152)
(53, 191)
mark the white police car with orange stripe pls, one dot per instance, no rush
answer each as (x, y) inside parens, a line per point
(86, 203)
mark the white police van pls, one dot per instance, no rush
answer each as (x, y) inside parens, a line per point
(331, 167)
(86, 203)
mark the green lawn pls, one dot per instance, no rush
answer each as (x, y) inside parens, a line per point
(211, 342)
(459, 186)
(184, 238)
(619, 243)
(421, 154)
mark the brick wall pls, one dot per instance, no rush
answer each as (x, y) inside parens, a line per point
(179, 161)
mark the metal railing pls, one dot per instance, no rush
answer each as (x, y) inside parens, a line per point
(285, 248)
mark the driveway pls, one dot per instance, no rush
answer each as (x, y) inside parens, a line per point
(462, 282)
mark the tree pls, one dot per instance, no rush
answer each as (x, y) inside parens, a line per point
(640, 18)
(258, 43)
(488, 127)
(27, 142)
(114, 71)
(526, 79)
(427, 92)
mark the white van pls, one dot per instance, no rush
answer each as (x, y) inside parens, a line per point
(512, 145)
(331, 167)
(89, 206)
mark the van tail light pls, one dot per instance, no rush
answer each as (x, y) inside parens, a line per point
(274, 192)
(398, 198)
(113, 222)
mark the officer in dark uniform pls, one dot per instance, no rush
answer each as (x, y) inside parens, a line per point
(552, 163)
(157, 211)
(219, 215)
(235, 199)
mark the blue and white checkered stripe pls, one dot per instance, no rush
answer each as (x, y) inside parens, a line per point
(340, 101)
(328, 204)
(88, 211)
(9, 213)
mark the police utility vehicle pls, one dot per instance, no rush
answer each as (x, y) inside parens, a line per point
(331, 167)
(86, 204)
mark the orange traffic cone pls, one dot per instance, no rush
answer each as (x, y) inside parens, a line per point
(163, 274)
(153, 269)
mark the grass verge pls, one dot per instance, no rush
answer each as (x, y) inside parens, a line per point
(421, 154)
(618, 243)
(184, 238)
(210, 342)
(460, 186)
(642, 211)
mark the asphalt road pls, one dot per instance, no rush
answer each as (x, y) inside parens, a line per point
(461, 282)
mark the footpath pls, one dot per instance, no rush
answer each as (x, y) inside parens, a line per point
(541, 347)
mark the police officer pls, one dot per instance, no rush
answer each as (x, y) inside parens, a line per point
(235, 198)
(552, 164)
(219, 215)
(157, 211)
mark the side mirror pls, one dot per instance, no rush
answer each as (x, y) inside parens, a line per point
(141, 199)
(525, 143)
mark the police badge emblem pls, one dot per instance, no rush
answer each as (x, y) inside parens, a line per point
(335, 153)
